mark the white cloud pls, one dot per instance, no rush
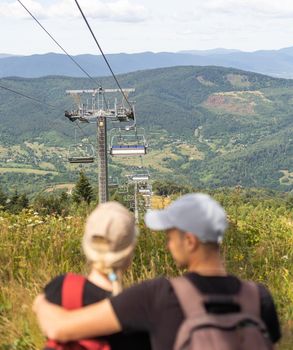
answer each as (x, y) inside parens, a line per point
(116, 11)
(252, 8)
(15, 10)
(270, 8)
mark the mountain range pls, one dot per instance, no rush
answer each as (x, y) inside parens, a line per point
(208, 126)
(278, 63)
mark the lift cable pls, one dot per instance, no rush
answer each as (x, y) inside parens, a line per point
(28, 97)
(105, 58)
(56, 42)
(47, 104)
(40, 102)
(68, 55)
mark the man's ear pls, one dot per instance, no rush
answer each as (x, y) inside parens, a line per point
(191, 241)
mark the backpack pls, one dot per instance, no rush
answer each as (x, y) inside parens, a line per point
(71, 298)
(243, 330)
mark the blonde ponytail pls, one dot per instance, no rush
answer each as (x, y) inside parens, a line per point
(114, 276)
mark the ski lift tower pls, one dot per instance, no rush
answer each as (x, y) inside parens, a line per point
(98, 112)
(137, 179)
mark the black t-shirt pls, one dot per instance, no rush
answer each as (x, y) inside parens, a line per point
(153, 307)
(92, 294)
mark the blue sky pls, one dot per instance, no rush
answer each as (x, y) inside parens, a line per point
(147, 25)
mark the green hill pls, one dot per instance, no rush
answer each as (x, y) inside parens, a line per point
(210, 126)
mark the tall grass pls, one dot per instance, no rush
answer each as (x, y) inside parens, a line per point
(258, 245)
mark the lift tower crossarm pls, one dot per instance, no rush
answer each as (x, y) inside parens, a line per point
(95, 91)
(118, 90)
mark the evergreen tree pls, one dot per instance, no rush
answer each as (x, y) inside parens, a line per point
(23, 201)
(12, 203)
(83, 190)
(64, 197)
(15, 198)
(3, 198)
(17, 202)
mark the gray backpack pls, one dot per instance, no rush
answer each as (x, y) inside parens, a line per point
(243, 330)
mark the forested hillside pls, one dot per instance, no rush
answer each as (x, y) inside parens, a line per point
(209, 126)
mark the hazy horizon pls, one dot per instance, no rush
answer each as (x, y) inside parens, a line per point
(151, 51)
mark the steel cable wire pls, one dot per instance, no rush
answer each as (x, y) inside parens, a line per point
(103, 55)
(56, 42)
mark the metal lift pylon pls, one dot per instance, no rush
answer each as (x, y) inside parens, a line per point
(99, 113)
(102, 159)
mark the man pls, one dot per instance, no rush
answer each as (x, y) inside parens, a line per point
(195, 225)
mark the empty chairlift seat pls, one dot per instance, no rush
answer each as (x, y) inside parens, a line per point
(81, 154)
(81, 160)
(145, 191)
(128, 150)
(123, 189)
(140, 177)
(128, 144)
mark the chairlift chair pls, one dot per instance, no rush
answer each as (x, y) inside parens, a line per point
(123, 189)
(81, 153)
(127, 150)
(148, 206)
(146, 192)
(145, 188)
(140, 177)
(113, 182)
(128, 145)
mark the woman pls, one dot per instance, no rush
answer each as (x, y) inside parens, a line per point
(108, 244)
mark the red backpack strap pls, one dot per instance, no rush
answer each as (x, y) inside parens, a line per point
(71, 298)
(91, 344)
(51, 344)
(72, 291)
(190, 298)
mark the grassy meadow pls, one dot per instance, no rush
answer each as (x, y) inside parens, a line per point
(35, 248)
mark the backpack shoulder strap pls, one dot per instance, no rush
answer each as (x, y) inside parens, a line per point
(190, 298)
(72, 291)
(249, 298)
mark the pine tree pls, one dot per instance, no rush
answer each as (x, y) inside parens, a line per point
(83, 190)
(23, 201)
(15, 198)
(3, 198)
(12, 203)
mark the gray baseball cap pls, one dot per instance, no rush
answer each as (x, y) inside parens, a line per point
(196, 213)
